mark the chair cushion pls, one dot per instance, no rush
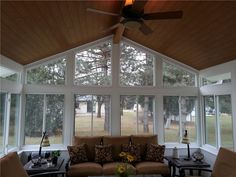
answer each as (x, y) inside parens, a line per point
(103, 153)
(110, 168)
(133, 149)
(90, 142)
(143, 140)
(155, 152)
(77, 153)
(152, 168)
(10, 165)
(116, 142)
(85, 169)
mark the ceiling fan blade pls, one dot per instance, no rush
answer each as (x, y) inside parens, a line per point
(138, 6)
(118, 35)
(145, 29)
(111, 28)
(102, 12)
(163, 15)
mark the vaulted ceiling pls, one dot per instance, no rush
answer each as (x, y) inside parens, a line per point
(204, 37)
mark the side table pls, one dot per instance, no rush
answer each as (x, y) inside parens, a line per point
(43, 168)
(181, 163)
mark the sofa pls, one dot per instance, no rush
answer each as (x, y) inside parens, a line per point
(92, 168)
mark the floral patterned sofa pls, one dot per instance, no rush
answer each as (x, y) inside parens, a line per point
(99, 155)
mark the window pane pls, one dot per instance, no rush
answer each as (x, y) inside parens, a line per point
(54, 117)
(210, 120)
(33, 118)
(136, 67)
(14, 120)
(92, 115)
(136, 115)
(188, 116)
(225, 117)
(8, 74)
(217, 79)
(2, 120)
(171, 118)
(51, 73)
(174, 76)
(93, 66)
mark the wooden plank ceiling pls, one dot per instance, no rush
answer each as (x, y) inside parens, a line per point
(204, 37)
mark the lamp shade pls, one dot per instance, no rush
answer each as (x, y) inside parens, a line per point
(185, 139)
(45, 141)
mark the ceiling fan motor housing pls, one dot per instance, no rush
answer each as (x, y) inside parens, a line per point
(128, 12)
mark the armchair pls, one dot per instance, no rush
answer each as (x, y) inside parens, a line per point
(12, 167)
(225, 165)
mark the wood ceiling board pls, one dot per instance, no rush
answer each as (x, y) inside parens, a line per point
(204, 37)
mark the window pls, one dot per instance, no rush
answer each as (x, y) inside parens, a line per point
(93, 66)
(50, 73)
(136, 114)
(9, 120)
(136, 67)
(44, 113)
(14, 120)
(210, 120)
(179, 115)
(2, 120)
(217, 79)
(92, 115)
(218, 121)
(8, 74)
(176, 77)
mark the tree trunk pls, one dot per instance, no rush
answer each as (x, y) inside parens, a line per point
(145, 115)
(107, 113)
(100, 102)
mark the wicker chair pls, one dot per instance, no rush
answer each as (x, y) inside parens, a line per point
(10, 166)
(225, 165)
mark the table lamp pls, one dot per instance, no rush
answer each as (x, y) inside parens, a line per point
(44, 143)
(185, 140)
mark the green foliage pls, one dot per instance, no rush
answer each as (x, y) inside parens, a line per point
(174, 76)
(51, 73)
(56, 153)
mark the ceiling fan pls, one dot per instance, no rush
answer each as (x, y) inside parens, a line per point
(132, 16)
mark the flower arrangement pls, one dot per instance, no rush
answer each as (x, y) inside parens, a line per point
(125, 169)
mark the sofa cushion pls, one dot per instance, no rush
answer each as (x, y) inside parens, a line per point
(77, 153)
(155, 152)
(116, 142)
(133, 149)
(143, 140)
(90, 142)
(85, 169)
(103, 153)
(152, 168)
(110, 168)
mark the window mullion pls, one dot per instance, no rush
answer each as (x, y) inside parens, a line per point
(7, 123)
(44, 112)
(180, 120)
(218, 139)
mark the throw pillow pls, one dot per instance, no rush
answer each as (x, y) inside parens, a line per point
(133, 149)
(103, 153)
(77, 153)
(155, 152)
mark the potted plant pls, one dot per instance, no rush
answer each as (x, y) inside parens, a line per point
(55, 155)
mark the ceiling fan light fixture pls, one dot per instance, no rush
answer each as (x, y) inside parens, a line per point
(129, 2)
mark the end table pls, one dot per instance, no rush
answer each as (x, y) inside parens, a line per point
(181, 163)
